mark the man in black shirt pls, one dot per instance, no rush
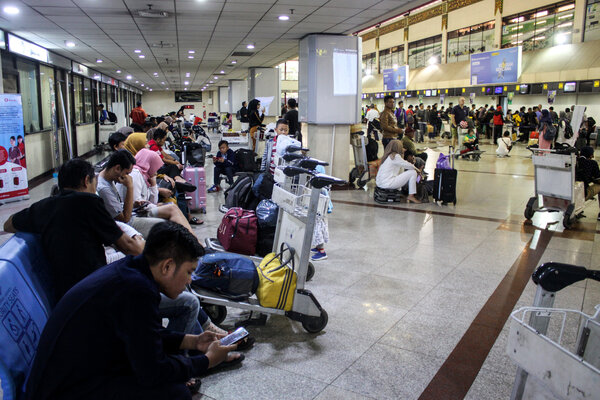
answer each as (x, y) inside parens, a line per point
(459, 114)
(73, 226)
(292, 118)
(245, 121)
(104, 339)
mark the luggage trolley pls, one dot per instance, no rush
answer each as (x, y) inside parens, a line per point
(360, 173)
(555, 188)
(541, 341)
(299, 206)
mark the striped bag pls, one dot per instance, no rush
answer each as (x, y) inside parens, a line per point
(277, 280)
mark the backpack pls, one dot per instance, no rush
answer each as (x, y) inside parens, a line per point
(263, 186)
(591, 122)
(232, 275)
(372, 148)
(549, 131)
(246, 160)
(112, 117)
(238, 231)
(238, 115)
(568, 129)
(240, 193)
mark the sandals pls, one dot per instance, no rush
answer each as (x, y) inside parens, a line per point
(235, 361)
(246, 343)
(195, 221)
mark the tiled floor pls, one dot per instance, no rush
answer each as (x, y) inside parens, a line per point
(401, 286)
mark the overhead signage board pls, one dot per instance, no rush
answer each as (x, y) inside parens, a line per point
(395, 78)
(496, 67)
(27, 49)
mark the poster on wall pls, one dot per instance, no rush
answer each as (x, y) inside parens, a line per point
(395, 78)
(499, 66)
(509, 97)
(188, 97)
(472, 98)
(13, 164)
(551, 96)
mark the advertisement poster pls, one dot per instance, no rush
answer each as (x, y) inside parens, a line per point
(472, 98)
(13, 165)
(442, 96)
(509, 97)
(395, 78)
(500, 66)
(551, 96)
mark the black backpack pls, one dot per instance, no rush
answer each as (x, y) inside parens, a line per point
(195, 154)
(549, 131)
(568, 129)
(372, 148)
(240, 193)
(112, 117)
(246, 160)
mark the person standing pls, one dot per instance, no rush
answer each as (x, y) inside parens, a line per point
(422, 122)
(498, 123)
(103, 113)
(389, 124)
(256, 116)
(373, 113)
(459, 114)
(401, 115)
(292, 118)
(244, 117)
(138, 115)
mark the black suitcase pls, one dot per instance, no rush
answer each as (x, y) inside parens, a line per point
(444, 183)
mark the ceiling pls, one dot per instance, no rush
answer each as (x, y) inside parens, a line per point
(111, 30)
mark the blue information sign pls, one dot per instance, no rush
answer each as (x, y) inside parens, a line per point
(500, 66)
(395, 78)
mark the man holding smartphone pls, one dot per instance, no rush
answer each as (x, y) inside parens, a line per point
(224, 165)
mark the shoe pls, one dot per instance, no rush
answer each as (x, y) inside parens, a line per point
(321, 255)
(185, 187)
(195, 221)
(314, 250)
(213, 189)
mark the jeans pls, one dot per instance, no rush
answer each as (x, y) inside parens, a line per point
(184, 313)
(227, 171)
(421, 131)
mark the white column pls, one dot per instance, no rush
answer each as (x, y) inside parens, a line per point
(238, 93)
(579, 21)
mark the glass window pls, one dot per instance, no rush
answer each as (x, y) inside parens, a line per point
(368, 64)
(78, 98)
(423, 52)
(87, 100)
(10, 76)
(46, 84)
(29, 95)
(391, 58)
(539, 28)
(592, 21)
(474, 39)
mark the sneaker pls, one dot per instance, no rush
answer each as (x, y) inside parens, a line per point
(213, 189)
(321, 255)
(314, 250)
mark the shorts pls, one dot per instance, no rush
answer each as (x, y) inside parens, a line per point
(592, 190)
(454, 131)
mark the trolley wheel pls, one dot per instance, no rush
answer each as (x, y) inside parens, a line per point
(567, 218)
(315, 324)
(529, 211)
(310, 272)
(203, 210)
(216, 313)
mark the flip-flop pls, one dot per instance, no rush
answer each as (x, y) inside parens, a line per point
(195, 221)
(227, 364)
(194, 385)
(246, 343)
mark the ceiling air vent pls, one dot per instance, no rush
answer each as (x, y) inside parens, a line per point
(162, 45)
(242, 54)
(150, 13)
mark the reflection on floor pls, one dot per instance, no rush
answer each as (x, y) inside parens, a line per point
(403, 286)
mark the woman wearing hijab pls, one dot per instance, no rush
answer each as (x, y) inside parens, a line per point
(145, 190)
(546, 128)
(256, 117)
(135, 142)
(395, 172)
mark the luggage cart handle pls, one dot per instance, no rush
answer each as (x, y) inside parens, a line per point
(553, 276)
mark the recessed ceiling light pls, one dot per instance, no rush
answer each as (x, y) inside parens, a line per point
(187, 74)
(190, 56)
(192, 51)
(98, 60)
(186, 83)
(142, 84)
(142, 56)
(210, 82)
(129, 77)
(155, 74)
(137, 81)
(68, 43)
(118, 71)
(137, 51)
(249, 46)
(162, 83)
(11, 10)
(215, 77)
(233, 61)
(222, 71)
(283, 18)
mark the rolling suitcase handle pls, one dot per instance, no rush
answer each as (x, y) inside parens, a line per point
(451, 151)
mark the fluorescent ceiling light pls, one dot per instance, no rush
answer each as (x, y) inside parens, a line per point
(222, 71)
(190, 56)
(565, 16)
(98, 61)
(162, 83)
(541, 14)
(118, 71)
(187, 74)
(142, 56)
(68, 43)
(192, 51)
(137, 81)
(233, 61)
(155, 74)
(250, 46)
(186, 82)
(11, 10)
(565, 8)
(129, 77)
(215, 77)
(184, 88)
(284, 18)
(142, 84)
(137, 51)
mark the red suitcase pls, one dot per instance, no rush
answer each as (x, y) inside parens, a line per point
(197, 177)
(238, 231)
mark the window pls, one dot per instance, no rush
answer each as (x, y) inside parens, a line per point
(466, 41)
(289, 70)
(46, 85)
(29, 95)
(539, 28)
(78, 99)
(592, 21)
(87, 100)
(10, 76)
(390, 58)
(424, 52)
(368, 64)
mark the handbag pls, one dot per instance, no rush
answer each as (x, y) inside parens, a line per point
(232, 275)
(277, 279)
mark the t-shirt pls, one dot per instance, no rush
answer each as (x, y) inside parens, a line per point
(408, 144)
(459, 114)
(292, 118)
(156, 148)
(110, 195)
(73, 226)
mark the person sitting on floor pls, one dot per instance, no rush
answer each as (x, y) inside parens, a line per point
(587, 171)
(408, 143)
(224, 164)
(395, 172)
(504, 145)
(470, 142)
(74, 226)
(104, 339)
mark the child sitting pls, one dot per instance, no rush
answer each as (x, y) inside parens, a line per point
(470, 142)
(273, 148)
(224, 164)
(504, 145)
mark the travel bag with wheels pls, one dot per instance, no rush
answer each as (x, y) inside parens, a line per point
(238, 231)
(231, 275)
(246, 160)
(277, 279)
(444, 183)
(197, 177)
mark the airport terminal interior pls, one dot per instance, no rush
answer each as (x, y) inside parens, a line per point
(420, 298)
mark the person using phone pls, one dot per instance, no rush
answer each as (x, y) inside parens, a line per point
(224, 165)
(104, 339)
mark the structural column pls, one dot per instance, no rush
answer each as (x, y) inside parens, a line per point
(238, 93)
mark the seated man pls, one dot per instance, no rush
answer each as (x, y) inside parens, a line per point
(74, 225)
(587, 171)
(408, 143)
(104, 339)
(224, 164)
(116, 141)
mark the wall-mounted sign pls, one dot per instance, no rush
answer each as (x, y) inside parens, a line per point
(395, 78)
(499, 66)
(188, 97)
(13, 165)
(188, 107)
(27, 49)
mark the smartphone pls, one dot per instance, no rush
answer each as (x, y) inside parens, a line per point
(234, 337)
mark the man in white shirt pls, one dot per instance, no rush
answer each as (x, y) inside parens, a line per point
(372, 114)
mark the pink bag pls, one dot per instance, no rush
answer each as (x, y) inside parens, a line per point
(238, 231)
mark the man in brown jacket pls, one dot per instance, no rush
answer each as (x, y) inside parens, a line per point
(389, 124)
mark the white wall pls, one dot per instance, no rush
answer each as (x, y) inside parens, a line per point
(86, 138)
(39, 153)
(161, 102)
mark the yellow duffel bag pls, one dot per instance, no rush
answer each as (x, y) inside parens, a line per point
(277, 279)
